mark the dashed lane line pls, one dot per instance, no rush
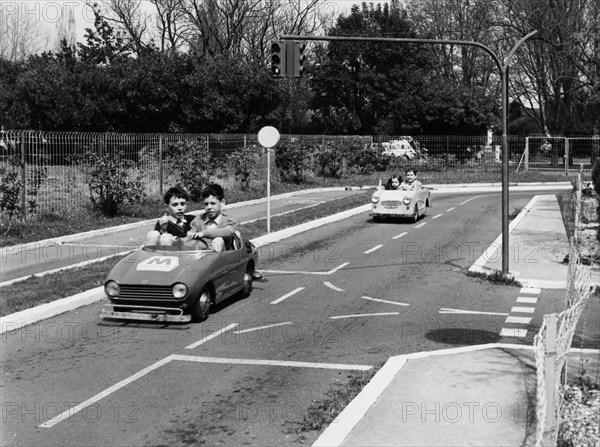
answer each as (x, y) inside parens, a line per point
(400, 235)
(527, 300)
(531, 290)
(211, 336)
(332, 287)
(437, 215)
(338, 317)
(287, 295)
(371, 250)
(519, 320)
(451, 208)
(468, 200)
(421, 224)
(384, 301)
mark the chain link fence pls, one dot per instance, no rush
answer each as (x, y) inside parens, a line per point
(560, 153)
(552, 344)
(43, 173)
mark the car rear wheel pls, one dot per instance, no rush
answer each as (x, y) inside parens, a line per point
(201, 307)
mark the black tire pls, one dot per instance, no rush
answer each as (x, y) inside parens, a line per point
(415, 218)
(201, 307)
(248, 278)
(376, 218)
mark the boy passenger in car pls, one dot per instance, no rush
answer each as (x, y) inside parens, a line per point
(411, 182)
(174, 223)
(211, 226)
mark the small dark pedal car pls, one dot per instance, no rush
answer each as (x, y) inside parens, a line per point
(179, 282)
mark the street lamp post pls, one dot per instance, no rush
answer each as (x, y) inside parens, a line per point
(502, 68)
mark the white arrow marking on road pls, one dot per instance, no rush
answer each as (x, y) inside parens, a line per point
(262, 327)
(303, 272)
(364, 315)
(377, 247)
(385, 301)
(211, 336)
(287, 295)
(331, 286)
(446, 310)
(400, 235)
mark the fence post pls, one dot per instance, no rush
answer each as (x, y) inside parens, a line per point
(527, 153)
(160, 165)
(23, 179)
(566, 156)
(550, 380)
(578, 205)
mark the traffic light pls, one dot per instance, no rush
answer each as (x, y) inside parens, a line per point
(299, 58)
(278, 59)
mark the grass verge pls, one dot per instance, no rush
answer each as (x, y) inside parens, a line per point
(496, 277)
(322, 412)
(26, 294)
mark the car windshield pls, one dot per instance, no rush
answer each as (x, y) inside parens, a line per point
(180, 245)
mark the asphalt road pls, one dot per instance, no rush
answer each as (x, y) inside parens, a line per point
(338, 299)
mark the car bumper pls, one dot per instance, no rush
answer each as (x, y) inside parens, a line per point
(145, 313)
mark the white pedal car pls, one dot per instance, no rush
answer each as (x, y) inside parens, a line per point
(401, 203)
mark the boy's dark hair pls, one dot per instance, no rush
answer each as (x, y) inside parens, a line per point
(176, 191)
(213, 190)
(413, 170)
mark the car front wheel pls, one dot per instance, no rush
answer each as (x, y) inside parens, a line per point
(201, 307)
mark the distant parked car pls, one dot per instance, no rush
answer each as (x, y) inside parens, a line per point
(178, 283)
(399, 148)
(401, 203)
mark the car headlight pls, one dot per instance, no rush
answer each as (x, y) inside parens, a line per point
(179, 290)
(406, 200)
(112, 288)
(374, 198)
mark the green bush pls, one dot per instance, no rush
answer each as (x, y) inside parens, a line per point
(292, 160)
(330, 160)
(245, 164)
(192, 161)
(12, 185)
(111, 181)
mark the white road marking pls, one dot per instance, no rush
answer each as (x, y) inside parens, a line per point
(523, 310)
(377, 247)
(446, 310)
(451, 208)
(508, 332)
(287, 295)
(117, 386)
(385, 301)
(520, 320)
(261, 327)
(421, 224)
(400, 235)
(527, 299)
(288, 272)
(437, 215)
(364, 315)
(332, 287)
(293, 364)
(531, 290)
(281, 214)
(468, 200)
(211, 336)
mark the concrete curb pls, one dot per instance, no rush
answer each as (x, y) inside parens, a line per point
(29, 316)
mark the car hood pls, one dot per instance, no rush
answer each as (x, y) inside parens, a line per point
(163, 267)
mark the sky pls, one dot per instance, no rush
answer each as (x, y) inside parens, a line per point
(47, 13)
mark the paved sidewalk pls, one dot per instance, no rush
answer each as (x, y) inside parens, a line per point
(478, 395)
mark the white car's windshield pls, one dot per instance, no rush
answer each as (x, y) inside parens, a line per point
(180, 245)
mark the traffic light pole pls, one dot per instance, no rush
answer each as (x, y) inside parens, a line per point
(502, 68)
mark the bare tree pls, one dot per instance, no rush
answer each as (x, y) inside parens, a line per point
(129, 16)
(21, 32)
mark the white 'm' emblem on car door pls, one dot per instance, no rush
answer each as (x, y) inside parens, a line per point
(159, 264)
